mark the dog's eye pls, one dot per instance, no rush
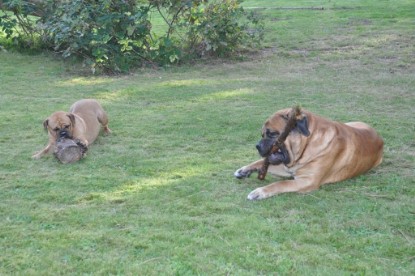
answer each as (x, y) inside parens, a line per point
(66, 126)
(272, 134)
(56, 129)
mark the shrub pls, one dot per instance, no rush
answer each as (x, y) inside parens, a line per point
(114, 35)
(17, 23)
(222, 28)
(105, 33)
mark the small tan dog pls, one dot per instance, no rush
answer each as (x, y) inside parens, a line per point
(82, 122)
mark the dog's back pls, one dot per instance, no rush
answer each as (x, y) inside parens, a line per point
(93, 115)
(362, 151)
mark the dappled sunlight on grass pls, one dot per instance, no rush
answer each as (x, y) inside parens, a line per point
(85, 81)
(189, 82)
(141, 184)
(110, 95)
(221, 95)
(128, 188)
(136, 186)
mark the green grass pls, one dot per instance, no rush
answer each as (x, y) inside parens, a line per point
(158, 195)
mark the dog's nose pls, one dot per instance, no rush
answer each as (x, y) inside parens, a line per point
(63, 134)
(258, 147)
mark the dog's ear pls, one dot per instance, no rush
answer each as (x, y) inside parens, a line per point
(72, 118)
(302, 125)
(46, 124)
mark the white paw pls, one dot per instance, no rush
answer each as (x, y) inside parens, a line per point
(242, 173)
(257, 194)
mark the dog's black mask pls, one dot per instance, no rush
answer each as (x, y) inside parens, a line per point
(65, 131)
(265, 145)
(63, 134)
(281, 156)
(264, 148)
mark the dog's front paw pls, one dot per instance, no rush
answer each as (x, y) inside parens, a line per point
(83, 146)
(242, 173)
(36, 156)
(257, 194)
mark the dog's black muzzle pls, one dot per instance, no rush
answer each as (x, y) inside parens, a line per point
(264, 148)
(64, 134)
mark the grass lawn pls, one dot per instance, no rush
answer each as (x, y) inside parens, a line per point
(158, 196)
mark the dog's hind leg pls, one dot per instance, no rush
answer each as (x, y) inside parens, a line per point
(103, 120)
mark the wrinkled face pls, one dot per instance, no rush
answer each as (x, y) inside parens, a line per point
(60, 124)
(275, 125)
(272, 128)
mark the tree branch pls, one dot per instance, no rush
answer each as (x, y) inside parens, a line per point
(39, 5)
